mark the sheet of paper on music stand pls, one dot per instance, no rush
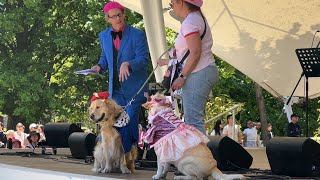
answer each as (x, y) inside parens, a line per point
(86, 71)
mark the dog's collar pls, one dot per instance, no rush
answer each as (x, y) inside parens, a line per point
(122, 120)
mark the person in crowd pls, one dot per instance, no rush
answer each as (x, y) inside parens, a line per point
(33, 127)
(293, 128)
(250, 135)
(218, 128)
(16, 144)
(20, 135)
(10, 134)
(268, 136)
(199, 68)
(41, 132)
(227, 130)
(33, 139)
(125, 57)
(3, 137)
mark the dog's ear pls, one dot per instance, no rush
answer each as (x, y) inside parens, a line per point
(113, 107)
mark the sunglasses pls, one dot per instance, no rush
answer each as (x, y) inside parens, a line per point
(116, 16)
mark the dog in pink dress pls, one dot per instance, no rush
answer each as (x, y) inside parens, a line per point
(178, 143)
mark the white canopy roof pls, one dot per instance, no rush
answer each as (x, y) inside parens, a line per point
(259, 38)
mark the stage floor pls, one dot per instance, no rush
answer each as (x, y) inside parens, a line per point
(62, 162)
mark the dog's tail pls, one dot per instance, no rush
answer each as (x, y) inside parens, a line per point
(217, 174)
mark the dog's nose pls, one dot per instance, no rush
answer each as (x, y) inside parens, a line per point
(92, 116)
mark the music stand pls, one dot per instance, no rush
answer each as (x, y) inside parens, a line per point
(309, 59)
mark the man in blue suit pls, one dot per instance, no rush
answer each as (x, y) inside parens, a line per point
(125, 54)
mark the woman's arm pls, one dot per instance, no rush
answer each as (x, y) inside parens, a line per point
(194, 46)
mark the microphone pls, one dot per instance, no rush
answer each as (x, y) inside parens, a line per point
(166, 9)
(313, 38)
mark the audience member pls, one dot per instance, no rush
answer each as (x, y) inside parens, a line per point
(10, 134)
(33, 127)
(33, 139)
(250, 135)
(227, 130)
(218, 128)
(268, 136)
(3, 137)
(293, 128)
(41, 132)
(20, 135)
(16, 143)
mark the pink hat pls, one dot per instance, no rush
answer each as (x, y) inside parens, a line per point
(112, 5)
(197, 3)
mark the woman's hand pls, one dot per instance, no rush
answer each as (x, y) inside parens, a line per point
(163, 62)
(178, 83)
(124, 71)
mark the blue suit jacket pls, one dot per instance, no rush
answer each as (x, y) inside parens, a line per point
(133, 49)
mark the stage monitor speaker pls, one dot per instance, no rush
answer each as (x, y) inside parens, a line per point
(293, 156)
(82, 144)
(57, 134)
(230, 155)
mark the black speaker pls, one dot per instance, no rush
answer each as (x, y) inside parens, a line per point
(82, 144)
(57, 134)
(230, 155)
(293, 156)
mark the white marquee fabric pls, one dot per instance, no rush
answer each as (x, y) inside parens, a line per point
(259, 38)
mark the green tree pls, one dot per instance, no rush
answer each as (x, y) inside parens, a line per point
(42, 44)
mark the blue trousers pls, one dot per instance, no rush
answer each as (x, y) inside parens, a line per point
(129, 133)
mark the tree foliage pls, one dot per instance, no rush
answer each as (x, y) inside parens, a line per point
(42, 44)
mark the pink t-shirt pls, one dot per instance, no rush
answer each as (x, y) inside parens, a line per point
(194, 23)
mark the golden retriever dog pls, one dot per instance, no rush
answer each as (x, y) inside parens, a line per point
(99, 159)
(179, 144)
(109, 153)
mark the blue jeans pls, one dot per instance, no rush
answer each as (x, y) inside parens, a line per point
(194, 96)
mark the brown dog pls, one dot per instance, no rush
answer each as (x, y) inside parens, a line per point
(179, 144)
(109, 154)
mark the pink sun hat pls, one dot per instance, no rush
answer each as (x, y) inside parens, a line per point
(112, 5)
(197, 3)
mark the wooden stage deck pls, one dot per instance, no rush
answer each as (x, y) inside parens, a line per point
(62, 163)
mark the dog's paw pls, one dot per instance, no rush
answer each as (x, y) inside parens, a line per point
(106, 170)
(94, 170)
(100, 170)
(156, 177)
(125, 170)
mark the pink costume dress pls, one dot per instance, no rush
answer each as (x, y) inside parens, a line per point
(170, 136)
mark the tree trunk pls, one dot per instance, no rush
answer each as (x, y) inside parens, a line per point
(262, 109)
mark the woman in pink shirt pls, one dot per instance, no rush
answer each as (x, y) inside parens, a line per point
(199, 71)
